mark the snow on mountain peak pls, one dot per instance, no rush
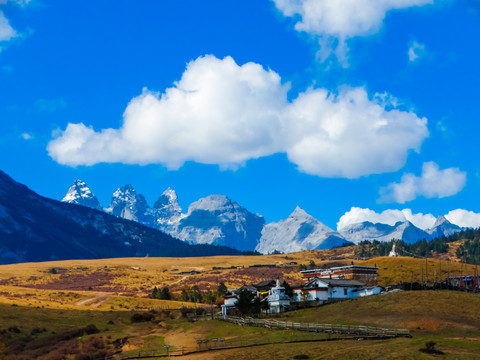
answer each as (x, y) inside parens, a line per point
(213, 203)
(299, 212)
(440, 220)
(300, 231)
(126, 203)
(79, 193)
(167, 209)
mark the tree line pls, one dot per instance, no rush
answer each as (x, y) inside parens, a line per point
(469, 252)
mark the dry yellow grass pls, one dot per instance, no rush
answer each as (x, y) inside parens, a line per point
(126, 282)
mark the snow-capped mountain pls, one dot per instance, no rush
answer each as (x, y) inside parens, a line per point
(35, 228)
(300, 231)
(167, 210)
(80, 194)
(218, 220)
(127, 204)
(405, 231)
(443, 227)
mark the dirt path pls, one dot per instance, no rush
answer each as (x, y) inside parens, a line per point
(95, 301)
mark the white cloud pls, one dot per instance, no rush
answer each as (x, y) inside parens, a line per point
(26, 136)
(432, 183)
(390, 217)
(341, 19)
(415, 51)
(464, 218)
(7, 32)
(222, 113)
(460, 217)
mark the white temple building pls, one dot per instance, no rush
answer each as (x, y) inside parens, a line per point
(277, 299)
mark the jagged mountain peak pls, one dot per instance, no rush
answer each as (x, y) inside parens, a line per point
(441, 220)
(79, 193)
(129, 204)
(300, 231)
(299, 212)
(167, 210)
(168, 198)
(218, 220)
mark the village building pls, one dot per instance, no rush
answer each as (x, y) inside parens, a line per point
(320, 286)
(365, 274)
(323, 290)
(467, 282)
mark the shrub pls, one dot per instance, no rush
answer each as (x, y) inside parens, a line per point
(142, 317)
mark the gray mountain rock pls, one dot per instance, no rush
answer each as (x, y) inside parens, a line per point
(127, 204)
(443, 227)
(218, 220)
(300, 231)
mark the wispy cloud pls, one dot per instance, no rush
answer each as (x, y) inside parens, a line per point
(50, 105)
(432, 183)
(415, 51)
(333, 22)
(7, 32)
(222, 113)
(26, 136)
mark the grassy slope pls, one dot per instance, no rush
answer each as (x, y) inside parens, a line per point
(449, 318)
(434, 315)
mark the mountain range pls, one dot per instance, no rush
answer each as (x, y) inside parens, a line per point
(35, 228)
(218, 220)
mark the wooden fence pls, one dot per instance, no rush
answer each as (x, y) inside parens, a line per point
(360, 330)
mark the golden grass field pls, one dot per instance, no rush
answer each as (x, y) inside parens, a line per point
(104, 292)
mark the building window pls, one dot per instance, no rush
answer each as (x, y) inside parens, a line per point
(345, 291)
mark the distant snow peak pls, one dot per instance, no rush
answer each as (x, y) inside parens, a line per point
(167, 210)
(300, 231)
(80, 194)
(218, 220)
(126, 203)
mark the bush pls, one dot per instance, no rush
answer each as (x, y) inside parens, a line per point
(142, 317)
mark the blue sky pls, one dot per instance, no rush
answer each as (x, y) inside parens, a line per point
(324, 104)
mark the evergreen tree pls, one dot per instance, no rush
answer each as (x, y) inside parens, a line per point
(244, 302)
(288, 288)
(221, 289)
(165, 293)
(196, 294)
(155, 293)
(185, 296)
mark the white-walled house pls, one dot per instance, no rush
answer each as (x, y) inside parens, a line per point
(325, 290)
(228, 303)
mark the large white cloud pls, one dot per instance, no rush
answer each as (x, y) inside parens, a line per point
(390, 217)
(432, 183)
(341, 19)
(458, 217)
(222, 113)
(464, 218)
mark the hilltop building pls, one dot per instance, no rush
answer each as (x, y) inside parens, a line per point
(365, 274)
